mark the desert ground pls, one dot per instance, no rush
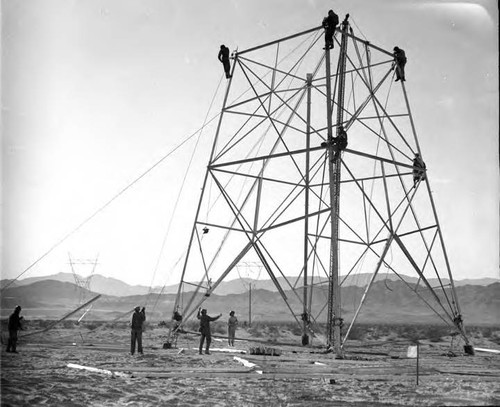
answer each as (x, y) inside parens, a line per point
(375, 371)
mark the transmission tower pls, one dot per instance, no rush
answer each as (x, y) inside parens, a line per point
(280, 180)
(83, 280)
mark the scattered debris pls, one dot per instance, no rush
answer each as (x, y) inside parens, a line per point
(264, 350)
(228, 350)
(487, 350)
(246, 363)
(469, 350)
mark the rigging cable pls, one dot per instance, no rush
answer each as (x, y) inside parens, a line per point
(181, 189)
(361, 32)
(105, 205)
(376, 154)
(258, 143)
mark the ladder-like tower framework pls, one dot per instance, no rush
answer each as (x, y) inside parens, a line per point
(279, 177)
(83, 282)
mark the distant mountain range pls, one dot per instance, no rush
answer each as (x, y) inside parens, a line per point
(112, 286)
(98, 284)
(388, 301)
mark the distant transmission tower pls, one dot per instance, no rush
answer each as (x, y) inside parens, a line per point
(83, 281)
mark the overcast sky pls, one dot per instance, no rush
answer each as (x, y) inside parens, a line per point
(95, 92)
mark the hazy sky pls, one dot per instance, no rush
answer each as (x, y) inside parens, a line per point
(95, 92)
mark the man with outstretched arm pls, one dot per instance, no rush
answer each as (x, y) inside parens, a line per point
(205, 329)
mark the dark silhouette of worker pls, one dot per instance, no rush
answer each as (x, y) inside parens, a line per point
(399, 63)
(224, 58)
(340, 142)
(205, 329)
(329, 23)
(14, 326)
(138, 319)
(418, 169)
(177, 321)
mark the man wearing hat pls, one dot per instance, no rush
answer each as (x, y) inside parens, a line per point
(138, 319)
(205, 329)
(14, 326)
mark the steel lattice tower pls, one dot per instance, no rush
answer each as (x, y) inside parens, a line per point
(82, 282)
(280, 183)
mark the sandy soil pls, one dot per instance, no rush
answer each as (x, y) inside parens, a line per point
(372, 374)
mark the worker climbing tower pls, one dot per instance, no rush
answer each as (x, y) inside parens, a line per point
(281, 190)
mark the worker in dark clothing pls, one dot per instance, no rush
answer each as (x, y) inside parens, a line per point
(418, 169)
(177, 320)
(399, 63)
(329, 23)
(14, 326)
(138, 319)
(224, 58)
(205, 329)
(340, 142)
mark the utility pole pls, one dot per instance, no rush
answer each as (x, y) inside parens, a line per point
(250, 305)
(334, 321)
(305, 313)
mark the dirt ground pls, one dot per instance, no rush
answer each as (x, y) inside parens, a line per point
(373, 373)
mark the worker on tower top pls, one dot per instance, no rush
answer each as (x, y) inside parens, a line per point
(224, 58)
(329, 23)
(399, 63)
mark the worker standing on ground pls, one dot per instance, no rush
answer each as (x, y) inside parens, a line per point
(329, 23)
(232, 323)
(399, 63)
(418, 169)
(138, 319)
(224, 58)
(205, 329)
(14, 326)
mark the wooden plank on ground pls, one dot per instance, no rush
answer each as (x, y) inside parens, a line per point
(179, 370)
